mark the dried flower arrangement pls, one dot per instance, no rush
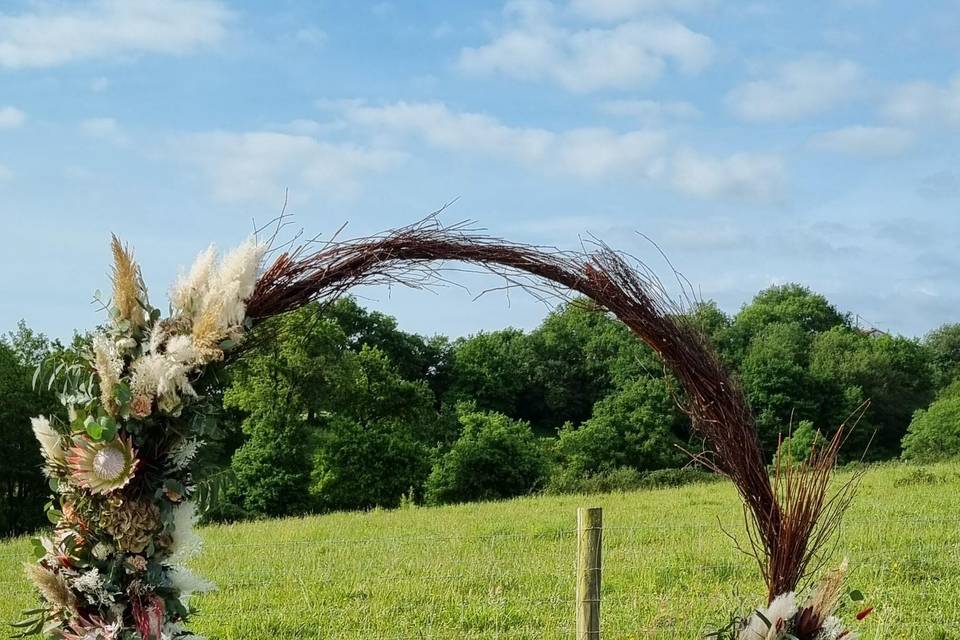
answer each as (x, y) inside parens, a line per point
(126, 474)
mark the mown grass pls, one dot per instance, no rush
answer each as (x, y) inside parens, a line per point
(505, 570)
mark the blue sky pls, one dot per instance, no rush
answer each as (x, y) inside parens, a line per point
(755, 142)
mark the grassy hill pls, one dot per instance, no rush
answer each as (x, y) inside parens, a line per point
(505, 570)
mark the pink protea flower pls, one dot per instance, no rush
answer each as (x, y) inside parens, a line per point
(102, 467)
(148, 614)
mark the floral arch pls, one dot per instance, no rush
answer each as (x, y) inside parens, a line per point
(123, 469)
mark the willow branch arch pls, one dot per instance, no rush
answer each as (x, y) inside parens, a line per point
(121, 475)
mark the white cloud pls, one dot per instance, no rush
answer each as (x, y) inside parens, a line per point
(621, 9)
(742, 176)
(869, 142)
(585, 152)
(444, 128)
(798, 89)
(626, 56)
(259, 165)
(11, 118)
(105, 128)
(55, 34)
(925, 103)
(650, 111)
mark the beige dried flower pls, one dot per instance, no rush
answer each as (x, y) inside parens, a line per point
(207, 333)
(51, 586)
(141, 406)
(127, 285)
(139, 563)
(109, 366)
(823, 601)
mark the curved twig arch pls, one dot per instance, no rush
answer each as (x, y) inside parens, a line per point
(788, 528)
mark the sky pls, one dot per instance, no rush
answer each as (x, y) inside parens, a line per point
(754, 143)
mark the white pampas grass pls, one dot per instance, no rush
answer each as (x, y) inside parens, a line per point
(109, 366)
(187, 582)
(186, 543)
(49, 440)
(780, 611)
(224, 286)
(160, 376)
(189, 290)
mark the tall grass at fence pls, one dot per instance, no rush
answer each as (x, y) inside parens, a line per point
(506, 570)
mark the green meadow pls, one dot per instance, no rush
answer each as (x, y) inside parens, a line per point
(506, 570)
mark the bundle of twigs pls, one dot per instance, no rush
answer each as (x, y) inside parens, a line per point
(792, 517)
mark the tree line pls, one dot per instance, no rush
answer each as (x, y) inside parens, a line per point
(341, 409)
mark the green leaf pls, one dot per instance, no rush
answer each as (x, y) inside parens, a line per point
(54, 516)
(54, 485)
(38, 552)
(122, 393)
(95, 430)
(108, 428)
(857, 596)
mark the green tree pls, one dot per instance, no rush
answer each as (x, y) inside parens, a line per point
(798, 447)
(778, 383)
(23, 488)
(893, 373)
(495, 370)
(934, 432)
(495, 458)
(637, 426)
(361, 465)
(282, 390)
(782, 304)
(572, 352)
(414, 357)
(944, 346)
(331, 422)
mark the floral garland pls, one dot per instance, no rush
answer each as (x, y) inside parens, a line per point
(124, 468)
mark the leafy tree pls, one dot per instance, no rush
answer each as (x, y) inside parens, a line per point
(330, 423)
(283, 389)
(783, 304)
(23, 488)
(637, 426)
(361, 465)
(414, 357)
(893, 373)
(779, 386)
(797, 447)
(944, 346)
(715, 325)
(495, 458)
(495, 370)
(572, 351)
(934, 432)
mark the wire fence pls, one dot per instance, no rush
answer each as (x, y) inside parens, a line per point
(659, 580)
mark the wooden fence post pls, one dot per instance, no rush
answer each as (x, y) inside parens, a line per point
(589, 548)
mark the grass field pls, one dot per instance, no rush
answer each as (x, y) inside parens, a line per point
(505, 570)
